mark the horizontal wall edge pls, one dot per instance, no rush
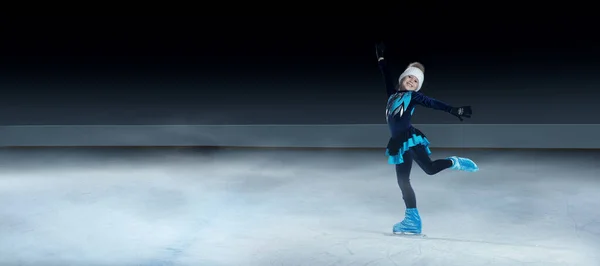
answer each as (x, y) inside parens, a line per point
(548, 136)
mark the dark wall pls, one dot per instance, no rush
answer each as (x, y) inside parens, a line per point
(155, 73)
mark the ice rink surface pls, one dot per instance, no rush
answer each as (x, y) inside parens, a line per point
(293, 207)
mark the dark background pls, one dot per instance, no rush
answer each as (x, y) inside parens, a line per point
(291, 70)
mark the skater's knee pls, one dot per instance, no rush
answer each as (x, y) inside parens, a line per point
(429, 170)
(404, 183)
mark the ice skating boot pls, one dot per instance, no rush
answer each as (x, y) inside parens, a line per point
(464, 164)
(411, 223)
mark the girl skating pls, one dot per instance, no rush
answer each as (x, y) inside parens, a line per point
(408, 143)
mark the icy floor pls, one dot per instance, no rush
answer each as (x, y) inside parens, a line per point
(243, 207)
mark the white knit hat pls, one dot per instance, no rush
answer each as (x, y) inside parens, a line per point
(413, 71)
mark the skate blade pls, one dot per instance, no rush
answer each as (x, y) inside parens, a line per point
(403, 234)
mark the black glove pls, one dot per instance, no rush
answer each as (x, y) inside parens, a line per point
(379, 49)
(460, 112)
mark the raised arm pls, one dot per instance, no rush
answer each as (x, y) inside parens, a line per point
(390, 84)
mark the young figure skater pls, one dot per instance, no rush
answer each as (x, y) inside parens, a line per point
(408, 143)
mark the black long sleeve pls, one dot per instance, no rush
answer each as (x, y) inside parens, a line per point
(429, 102)
(390, 84)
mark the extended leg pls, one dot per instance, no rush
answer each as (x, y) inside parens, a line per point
(421, 156)
(430, 167)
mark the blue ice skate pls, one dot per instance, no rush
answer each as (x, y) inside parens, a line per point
(464, 164)
(411, 223)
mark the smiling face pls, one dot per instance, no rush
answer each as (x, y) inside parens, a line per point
(412, 78)
(410, 83)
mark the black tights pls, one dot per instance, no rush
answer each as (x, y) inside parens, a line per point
(420, 155)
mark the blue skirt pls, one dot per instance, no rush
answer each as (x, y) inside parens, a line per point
(401, 143)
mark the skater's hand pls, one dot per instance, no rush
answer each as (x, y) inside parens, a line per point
(463, 111)
(379, 49)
